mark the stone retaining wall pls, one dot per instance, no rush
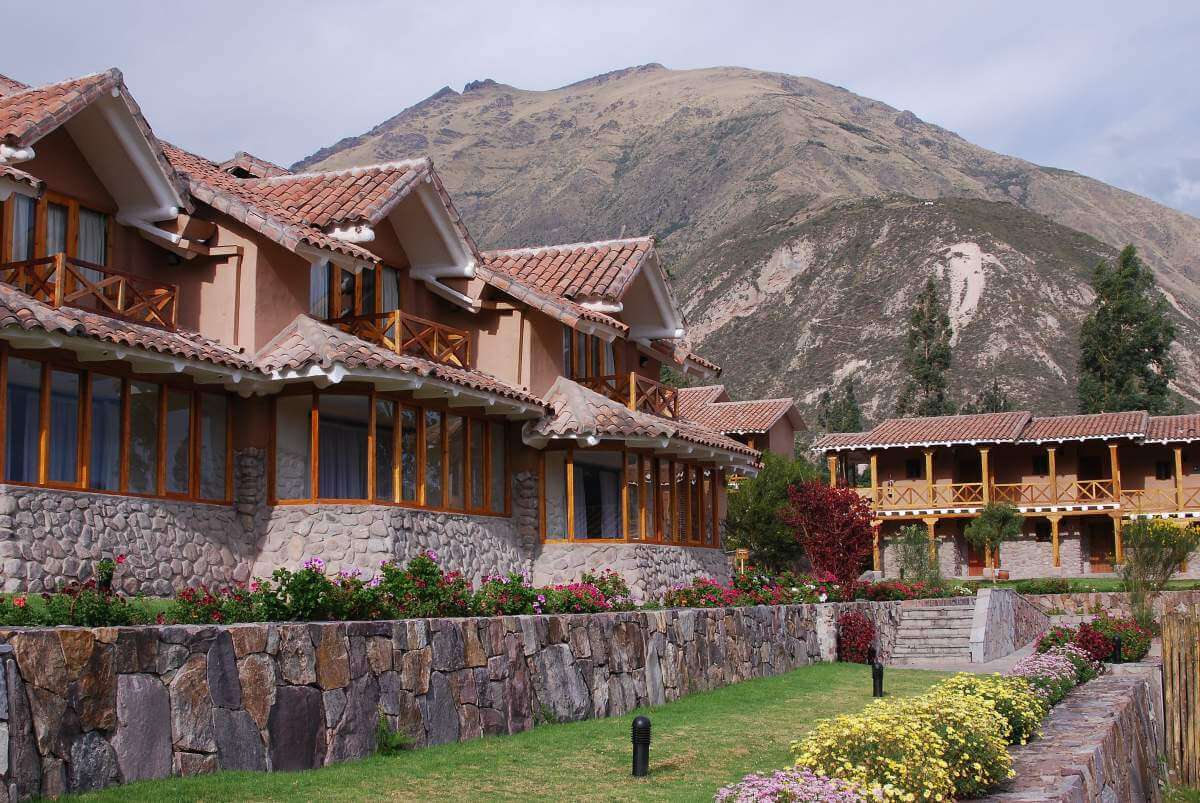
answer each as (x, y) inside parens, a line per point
(1101, 743)
(649, 569)
(1003, 622)
(1115, 603)
(87, 708)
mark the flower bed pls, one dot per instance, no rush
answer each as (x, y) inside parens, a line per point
(1097, 638)
(951, 742)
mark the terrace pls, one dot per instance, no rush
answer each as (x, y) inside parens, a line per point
(411, 335)
(899, 498)
(637, 392)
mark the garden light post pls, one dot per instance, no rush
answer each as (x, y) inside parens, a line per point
(1116, 653)
(641, 747)
(877, 679)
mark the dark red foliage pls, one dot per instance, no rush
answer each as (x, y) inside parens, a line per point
(855, 635)
(1093, 642)
(833, 525)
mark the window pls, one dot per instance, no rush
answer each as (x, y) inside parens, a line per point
(1163, 470)
(410, 447)
(344, 288)
(555, 469)
(498, 475)
(598, 495)
(293, 447)
(92, 245)
(178, 454)
(479, 447)
(143, 437)
(433, 458)
(342, 446)
(24, 227)
(587, 356)
(366, 302)
(1041, 465)
(64, 426)
(104, 462)
(320, 279)
(385, 450)
(1041, 531)
(390, 290)
(24, 410)
(456, 456)
(56, 228)
(214, 445)
(912, 469)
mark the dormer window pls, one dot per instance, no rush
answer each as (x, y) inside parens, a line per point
(337, 293)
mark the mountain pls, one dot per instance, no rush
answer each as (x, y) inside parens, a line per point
(799, 221)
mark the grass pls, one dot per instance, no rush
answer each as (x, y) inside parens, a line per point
(700, 743)
(1083, 584)
(1178, 794)
(150, 606)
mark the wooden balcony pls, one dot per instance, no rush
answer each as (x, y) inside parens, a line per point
(636, 392)
(411, 335)
(899, 498)
(63, 281)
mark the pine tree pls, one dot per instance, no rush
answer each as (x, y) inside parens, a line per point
(841, 414)
(1125, 343)
(991, 399)
(926, 356)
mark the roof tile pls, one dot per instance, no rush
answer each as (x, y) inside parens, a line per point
(1173, 428)
(1080, 427)
(583, 271)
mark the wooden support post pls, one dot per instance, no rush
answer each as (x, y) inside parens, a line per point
(1051, 453)
(931, 523)
(929, 474)
(1116, 471)
(832, 461)
(1118, 546)
(874, 480)
(1178, 478)
(633, 390)
(877, 545)
(570, 466)
(985, 474)
(1055, 519)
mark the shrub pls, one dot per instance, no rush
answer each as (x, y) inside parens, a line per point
(1135, 639)
(1057, 636)
(855, 635)
(834, 527)
(885, 746)
(1085, 668)
(421, 589)
(17, 611)
(917, 564)
(1093, 642)
(1015, 699)
(1045, 585)
(753, 519)
(976, 748)
(995, 524)
(1051, 673)
(508, 596)
(785, 786)
(1154, 551)
(612, 585)
(899, 590)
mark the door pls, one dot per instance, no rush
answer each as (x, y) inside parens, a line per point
(1102, 547)
(975, 561)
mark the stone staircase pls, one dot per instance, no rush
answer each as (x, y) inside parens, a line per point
(935, 630)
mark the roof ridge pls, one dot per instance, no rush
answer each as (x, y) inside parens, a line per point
(533, 249)
(355, 170)
(754, 401)
(111, 71)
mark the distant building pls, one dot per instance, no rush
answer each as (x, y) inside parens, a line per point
(768, 425)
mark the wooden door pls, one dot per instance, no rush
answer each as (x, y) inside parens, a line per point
(1102, 547)
(975, 561)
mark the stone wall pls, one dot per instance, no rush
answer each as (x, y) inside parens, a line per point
(1115, 603)
(649, 569)
(87, 708)
(1003, 622)
(1100, 743)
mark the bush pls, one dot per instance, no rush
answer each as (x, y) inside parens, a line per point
(1051, 673)
(1154, 551)
(976, 749)
(785, 786)
(753, 518)
(885, 746)
(834, 527)
(1085, 668)
(855, 636)
(1045, 585)
(1135, 639)
(1093, 642)
(995, 524)
(899, 590)
(917, 564)
(1015, 699)
(1057, 636)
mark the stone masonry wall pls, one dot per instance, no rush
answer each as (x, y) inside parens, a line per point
(1111, 602)
(87, 708)
(649, 569)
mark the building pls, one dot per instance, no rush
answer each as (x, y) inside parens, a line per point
(1075, 478)
(768, 425)
(220, 368)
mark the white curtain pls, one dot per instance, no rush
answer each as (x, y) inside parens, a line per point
(93, 242)
(56, 229)
(105, 473)
(391, 289)
(318, 291)
(64, 430)
(24, 420)
(342, 473)
(24, 214)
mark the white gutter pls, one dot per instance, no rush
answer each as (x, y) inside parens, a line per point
(135, 144)
(11, 156)
(353, 234)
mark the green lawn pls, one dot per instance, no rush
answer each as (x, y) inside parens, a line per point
(699, 744)
(1177, 794)
(1084, 584)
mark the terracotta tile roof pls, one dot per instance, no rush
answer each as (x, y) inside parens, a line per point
(680, 352)
(21, 177)
(690, 400)
(252, 166)
(561, 309)
(25, 312)
(29, 114)
(306, 341)
(1082, 427)
(948, 429)
(697, 433)
(229, 195)
(11, 85)
(582, 271)
(738, 417)
(579, 413)
(1173, 428)
(840, 440)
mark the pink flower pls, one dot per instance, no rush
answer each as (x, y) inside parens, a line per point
(19, 602)
(120, 560)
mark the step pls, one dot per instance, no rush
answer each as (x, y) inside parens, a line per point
(921, 614)
(952, 638)
(933, 652)
(935, 627)
(933, 645)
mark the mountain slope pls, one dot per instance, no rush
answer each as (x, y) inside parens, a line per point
(737, 170)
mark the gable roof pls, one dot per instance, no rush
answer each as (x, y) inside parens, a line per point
(11, 85)
(690, 400)
(746, 417)
(947, 430)
(599, 270)
(1082, 427)
(840, 440)
(1173, 429)
(252, 165)
(561, 309)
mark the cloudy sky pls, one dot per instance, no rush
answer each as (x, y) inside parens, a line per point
(1107, 89)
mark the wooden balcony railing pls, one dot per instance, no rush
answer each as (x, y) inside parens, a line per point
(412, 335)
(958, 493)
(636, 392)
(63, 281)
(1023, 493)
(1148, 499)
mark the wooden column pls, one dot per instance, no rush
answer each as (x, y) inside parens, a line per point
(832, 462)
(1051, 453)
(985, 475)
(570, 480)
(1055, 519)
(929, 474)
(876, 545)
(1118, 547)
(931, 523)
(1178, 477)
(874, 479)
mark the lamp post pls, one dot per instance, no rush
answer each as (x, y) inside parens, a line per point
(877, 679)
(641, 747)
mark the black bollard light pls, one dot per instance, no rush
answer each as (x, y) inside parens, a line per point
(1116, 653)
(877, 679)
(641, 747)
(871, 655)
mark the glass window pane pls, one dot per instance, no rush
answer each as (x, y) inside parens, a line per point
(648, 485)
(478, 466)
(567, 337)
(24, 217)
(24, 411)
(391, 289)
(342, 451)
(64, 426)
(385, 449)
(633, 511)
(498, 455)
(433, 458)
(104, 472)
(92, 237)
(409, 448)
(456, 434)
(556, 495)
(597, 495)
(56, 229)
(143, 437)
(318, 290)
(213, 454)
(293, 447)
(179, 441)
(368, 291)
(581, 361)
(345, 289)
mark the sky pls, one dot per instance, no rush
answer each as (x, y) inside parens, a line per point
(1111, 90)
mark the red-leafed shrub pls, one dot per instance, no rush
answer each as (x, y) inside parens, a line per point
(1135, 639)
(1093, 642)
(855, 635)
(833, 525)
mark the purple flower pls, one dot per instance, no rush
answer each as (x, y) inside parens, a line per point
(315, 564)
(374, 582)
(794, 785)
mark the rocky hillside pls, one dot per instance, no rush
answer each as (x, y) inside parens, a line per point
(792, 210)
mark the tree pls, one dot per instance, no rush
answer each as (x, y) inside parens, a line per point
(1154, 551)
(841, 414)
(833, 525)
(926, 356)
(916, 560)
(991, 399)
(997, 523)
(753, 516)
(1125, 342)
